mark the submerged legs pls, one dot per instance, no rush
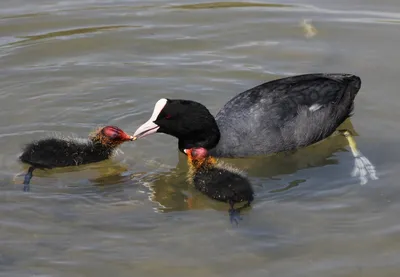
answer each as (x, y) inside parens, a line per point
(234, 214)
(363, 168)
(28, 178)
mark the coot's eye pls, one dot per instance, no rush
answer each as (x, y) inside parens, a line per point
(168, 116)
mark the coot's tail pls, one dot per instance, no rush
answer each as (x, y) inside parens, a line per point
(28, 178)
(349, 93)
(353, 81)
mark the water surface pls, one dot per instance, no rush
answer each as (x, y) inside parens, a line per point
(71, 66)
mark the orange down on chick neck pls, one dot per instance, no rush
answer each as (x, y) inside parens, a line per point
(197, 162)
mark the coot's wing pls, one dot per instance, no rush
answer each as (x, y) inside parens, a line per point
(285, 114)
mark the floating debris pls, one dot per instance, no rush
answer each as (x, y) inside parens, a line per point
(309, 30)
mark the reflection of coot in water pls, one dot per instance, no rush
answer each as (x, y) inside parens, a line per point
(218, 180)
(62, 152)
(171, 193)
(277, 116)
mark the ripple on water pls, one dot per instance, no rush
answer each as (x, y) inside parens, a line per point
(219, 5)
(69, 66)
(72, 33)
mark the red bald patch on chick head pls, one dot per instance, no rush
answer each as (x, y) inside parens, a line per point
(199, 152)
(196, 153)
(199, 156)
(110, 135)
(115, 133)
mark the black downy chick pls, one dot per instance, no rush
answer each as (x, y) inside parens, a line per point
(55, 152)
(219, 181)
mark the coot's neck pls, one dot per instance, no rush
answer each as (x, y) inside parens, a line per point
(102, 149)
(207, 138)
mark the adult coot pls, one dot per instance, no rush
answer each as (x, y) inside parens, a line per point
(218, 180)
(61, 152)
(280, 115)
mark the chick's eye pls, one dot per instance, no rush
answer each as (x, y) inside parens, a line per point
(111, 133)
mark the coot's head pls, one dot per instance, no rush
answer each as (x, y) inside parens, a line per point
(111, 136)
(189, 121)
(198, 156)
(196, 153)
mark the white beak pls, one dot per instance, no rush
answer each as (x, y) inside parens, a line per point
(150, 127)
(146, 129)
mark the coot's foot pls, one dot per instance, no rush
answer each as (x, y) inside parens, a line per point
(363, 168)
(234, 216)
(26, 187)
(28, 178)
(20, 174)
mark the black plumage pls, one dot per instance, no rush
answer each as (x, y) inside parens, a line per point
(218, 180)
(222, 184)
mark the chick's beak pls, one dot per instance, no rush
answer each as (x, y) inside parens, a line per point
(127, 137)
(188, 152)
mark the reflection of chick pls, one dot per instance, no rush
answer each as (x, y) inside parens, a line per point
(218, 180)
(61, 152)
